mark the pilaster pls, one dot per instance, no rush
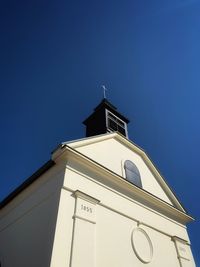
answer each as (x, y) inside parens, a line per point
(83, 246)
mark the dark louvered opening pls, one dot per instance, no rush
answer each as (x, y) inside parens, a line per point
(115, 124)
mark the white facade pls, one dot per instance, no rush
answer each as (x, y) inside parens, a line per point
(82, 212)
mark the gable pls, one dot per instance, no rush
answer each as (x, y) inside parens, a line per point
(112, 150)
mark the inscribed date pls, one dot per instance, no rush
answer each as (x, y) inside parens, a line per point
(86, 208)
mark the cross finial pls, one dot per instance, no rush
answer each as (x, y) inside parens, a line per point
(104, 91)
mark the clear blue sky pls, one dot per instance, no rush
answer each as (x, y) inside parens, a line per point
(54, 55)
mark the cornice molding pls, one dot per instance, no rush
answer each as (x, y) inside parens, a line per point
(135, 148)
(79, 194)
(67, 153)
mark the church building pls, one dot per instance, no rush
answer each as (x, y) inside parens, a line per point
(98, 202)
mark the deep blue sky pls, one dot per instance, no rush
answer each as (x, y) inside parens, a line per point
(54, 55)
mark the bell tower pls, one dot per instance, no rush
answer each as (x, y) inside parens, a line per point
(106, 118)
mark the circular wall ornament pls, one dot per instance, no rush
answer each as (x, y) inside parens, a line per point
(142, 245)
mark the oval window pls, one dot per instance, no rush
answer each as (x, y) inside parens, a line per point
(132, 173)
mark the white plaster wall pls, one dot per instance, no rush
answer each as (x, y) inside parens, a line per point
(61, 253)
(116, 217)
(38, 227)
(28, 222)
(112, 154)
(114, 247)
(126, 205)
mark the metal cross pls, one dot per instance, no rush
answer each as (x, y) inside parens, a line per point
(104, 91)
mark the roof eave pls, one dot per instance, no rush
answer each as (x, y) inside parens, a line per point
(27, 182)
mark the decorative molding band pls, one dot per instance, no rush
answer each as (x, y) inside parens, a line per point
(68, 151)
(79, 194)
(130, 217)
(176, 238)
(142, 195)
(139, 223)
(84, 219)
(122, 195)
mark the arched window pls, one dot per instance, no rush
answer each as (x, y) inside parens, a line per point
(132, 173)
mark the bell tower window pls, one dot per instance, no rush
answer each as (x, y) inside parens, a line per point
(106, 118)
(115, 124)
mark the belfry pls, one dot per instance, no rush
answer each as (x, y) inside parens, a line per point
(105, 119)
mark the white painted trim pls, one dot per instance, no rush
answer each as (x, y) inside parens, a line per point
(133, 147)
(121, 182)
(84, 219)
(139, 222)
(86, 197)
(125, 124)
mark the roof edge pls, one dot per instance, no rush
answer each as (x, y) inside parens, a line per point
(137, 149)
(27, 182)
(93, 163)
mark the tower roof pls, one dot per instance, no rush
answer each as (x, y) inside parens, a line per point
(105, 104)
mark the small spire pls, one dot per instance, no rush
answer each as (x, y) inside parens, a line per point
(104, 91)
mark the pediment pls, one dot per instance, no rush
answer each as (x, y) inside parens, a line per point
(112, 150)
